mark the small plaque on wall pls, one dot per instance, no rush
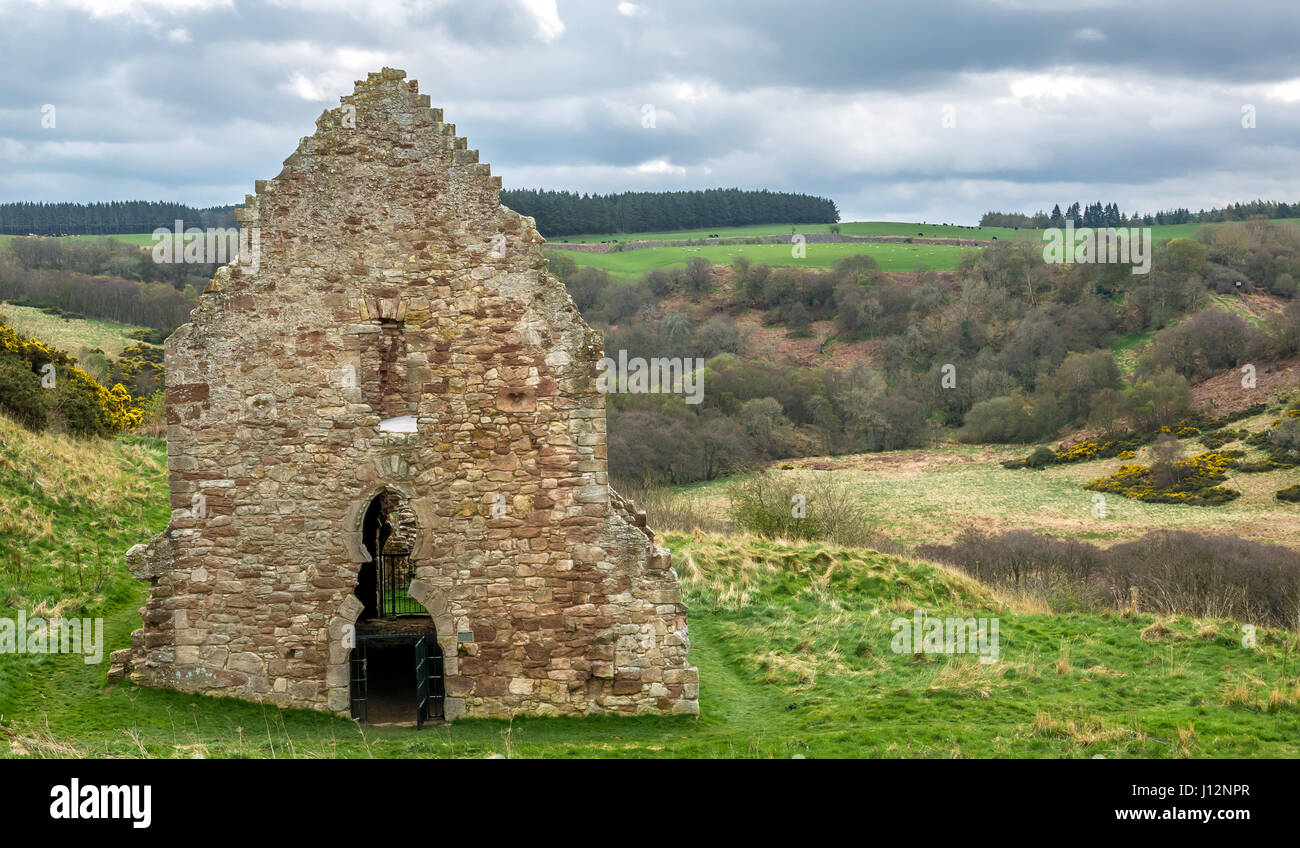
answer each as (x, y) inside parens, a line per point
(465, 636)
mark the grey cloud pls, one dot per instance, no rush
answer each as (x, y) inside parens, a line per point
(141, 116)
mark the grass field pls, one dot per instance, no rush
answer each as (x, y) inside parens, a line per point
(68, 510)
(929, 496)
(629, 265)
(878, 228)
(848, 228)
(892, 257)
(138, 239)
(793, 643)
(69, 335)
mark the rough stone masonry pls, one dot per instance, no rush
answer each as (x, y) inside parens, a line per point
(390, 285)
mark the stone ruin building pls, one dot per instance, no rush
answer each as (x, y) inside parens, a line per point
(387, 458)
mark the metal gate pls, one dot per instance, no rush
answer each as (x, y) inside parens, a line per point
(421, 681)
(430, 691)
(436, 692)
(395, 573)
(358, 682)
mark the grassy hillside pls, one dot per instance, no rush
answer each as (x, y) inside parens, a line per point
(929, 496)
(629, 265)
(848, 228)
(793, 645)
(793, 642)
(879, 228)
(1254, 308)
(69, 509)
(69, 335)
(892, 257)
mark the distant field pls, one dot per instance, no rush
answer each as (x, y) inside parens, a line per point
(139, 239)
(631, 264)
(69, 336)
(929, 496)
(848, 228)
(875, 228)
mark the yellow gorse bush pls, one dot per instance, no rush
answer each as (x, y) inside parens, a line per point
(117, 409)
(1196, 478)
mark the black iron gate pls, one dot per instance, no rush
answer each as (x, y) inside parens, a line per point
(436, 692)
(421, 681)
(396, 571)
(358, 682)
(430, 692)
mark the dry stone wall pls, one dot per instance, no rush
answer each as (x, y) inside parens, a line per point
(388, 280)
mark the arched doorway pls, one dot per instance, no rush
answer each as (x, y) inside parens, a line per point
(396, 663)
(389, 533)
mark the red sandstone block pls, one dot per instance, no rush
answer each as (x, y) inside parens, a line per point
(187, 393)
(490, 687)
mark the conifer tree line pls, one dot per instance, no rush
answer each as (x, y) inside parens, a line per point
(1110, 215)
(111, 218)
(561, 213)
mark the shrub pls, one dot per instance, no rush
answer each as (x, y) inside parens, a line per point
(1290, 494)
(1232, 417)
(1167, 467)
(1062, 572)
(1124, 448)
(1284, 437)
(1218, 438)
(1283, 285)
(1195, 574)
(1209, 341)
(1042, 457)
(717, 335)
(668, 509)
(804, 506)
(76, 406)
(1159, 400)
(587, 286)
(21, 395)
(1175, 572)
(660, 282)
(696, 279)
(1079, 379)
(76, 403)
(1281, 441)
(1000, 419)
(1176, 481)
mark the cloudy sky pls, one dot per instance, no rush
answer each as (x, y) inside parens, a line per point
(934, 110)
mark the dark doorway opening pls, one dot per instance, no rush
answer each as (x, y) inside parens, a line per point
(397, 664)
(397, 678)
